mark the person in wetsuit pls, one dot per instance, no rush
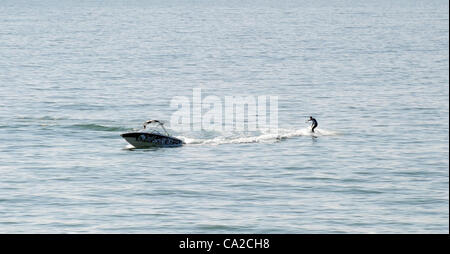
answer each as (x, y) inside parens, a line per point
(314, 123)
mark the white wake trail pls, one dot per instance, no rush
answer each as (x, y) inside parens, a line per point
(264, 137)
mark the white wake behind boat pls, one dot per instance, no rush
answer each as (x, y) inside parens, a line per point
(154, 136)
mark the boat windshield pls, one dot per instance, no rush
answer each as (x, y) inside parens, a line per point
(155, 127)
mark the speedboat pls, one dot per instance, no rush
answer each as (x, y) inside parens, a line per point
(153, 136)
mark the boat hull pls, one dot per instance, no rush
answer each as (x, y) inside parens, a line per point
(146, 140)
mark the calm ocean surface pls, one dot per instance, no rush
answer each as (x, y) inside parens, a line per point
(74, 75)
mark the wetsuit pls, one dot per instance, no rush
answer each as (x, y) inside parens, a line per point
(314, 124)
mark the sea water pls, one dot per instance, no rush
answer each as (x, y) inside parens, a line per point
(74, 75)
